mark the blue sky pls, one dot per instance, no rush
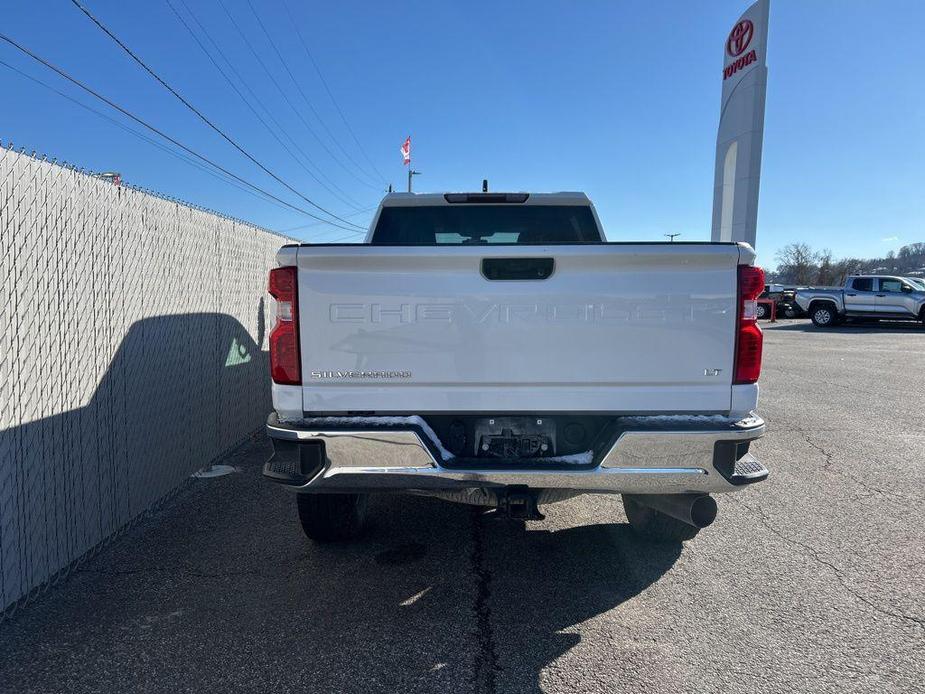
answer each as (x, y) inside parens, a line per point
(618, 99)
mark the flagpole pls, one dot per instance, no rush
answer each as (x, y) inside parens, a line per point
(406, 157)
(411, 172)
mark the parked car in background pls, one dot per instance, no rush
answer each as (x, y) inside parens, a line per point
(784, 299)
(493, 349)
(864, 296)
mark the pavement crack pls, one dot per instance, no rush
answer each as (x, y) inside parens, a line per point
(814, 554)
(828, 455)
(486, 657)
(829, 465)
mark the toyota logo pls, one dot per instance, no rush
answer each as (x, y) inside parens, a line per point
(740, 37)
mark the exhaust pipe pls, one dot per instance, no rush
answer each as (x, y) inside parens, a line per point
(698, 510)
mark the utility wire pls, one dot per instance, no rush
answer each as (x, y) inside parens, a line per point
(324, 82)
(109, 102)
(202, 117)
(150, 140)
(186, 159)
(298, 87)
(267, 111)
(341, 238)
(343, 198)
(286, 98)
(314, 224)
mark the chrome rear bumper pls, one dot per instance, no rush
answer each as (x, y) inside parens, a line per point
(650, 455)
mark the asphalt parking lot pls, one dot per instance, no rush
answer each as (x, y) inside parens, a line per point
(810, 582)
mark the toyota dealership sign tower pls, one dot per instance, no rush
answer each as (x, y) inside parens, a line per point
(741, 127)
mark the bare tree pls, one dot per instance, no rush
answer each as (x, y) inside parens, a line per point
(825, 275)
(912, 250)
(845, 267)
(797, 264)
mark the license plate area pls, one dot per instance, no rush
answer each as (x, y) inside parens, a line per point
(510, 438)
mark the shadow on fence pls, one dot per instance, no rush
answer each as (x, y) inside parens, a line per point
(179, 391)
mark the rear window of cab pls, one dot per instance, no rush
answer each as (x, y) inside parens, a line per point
(459, 225)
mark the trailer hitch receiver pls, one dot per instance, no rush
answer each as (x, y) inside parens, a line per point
(520, 503)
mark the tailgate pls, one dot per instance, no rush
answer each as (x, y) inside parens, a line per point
(614, 328)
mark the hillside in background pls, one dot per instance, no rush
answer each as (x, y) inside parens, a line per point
(798, 264)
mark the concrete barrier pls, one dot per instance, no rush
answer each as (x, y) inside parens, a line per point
(132, 337)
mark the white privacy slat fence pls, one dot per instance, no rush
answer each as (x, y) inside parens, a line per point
(132, 336)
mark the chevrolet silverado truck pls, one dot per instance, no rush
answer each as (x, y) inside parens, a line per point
(494, 349)
(864, 297)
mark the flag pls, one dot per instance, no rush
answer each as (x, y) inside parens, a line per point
(406, 151)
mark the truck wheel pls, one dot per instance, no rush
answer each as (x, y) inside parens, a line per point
(791, 313)
(761, 312)
(656, 526)
(332, 517)
(823, 315)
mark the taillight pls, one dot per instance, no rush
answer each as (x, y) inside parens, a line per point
(285, 364)
(748, 335)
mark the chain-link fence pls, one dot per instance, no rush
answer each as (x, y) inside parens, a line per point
(131, 354)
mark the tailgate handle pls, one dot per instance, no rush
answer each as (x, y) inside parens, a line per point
(517, 268)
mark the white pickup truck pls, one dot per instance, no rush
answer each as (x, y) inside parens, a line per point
(494, 349)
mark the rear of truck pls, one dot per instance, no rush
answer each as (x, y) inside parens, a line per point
(494, 349)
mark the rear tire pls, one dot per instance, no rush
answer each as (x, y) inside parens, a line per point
(761, 312)
(655, 526)
(823, 315)
(332, 517)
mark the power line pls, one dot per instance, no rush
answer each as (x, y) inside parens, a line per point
(202, 117)
(314, 224)
(167, 137)
(299, 88)
(267, 111)
(356, 235)
(324, 83)
(190, 161)
(340, 196)
(150, 140)
(341, 238)
(286, 98)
